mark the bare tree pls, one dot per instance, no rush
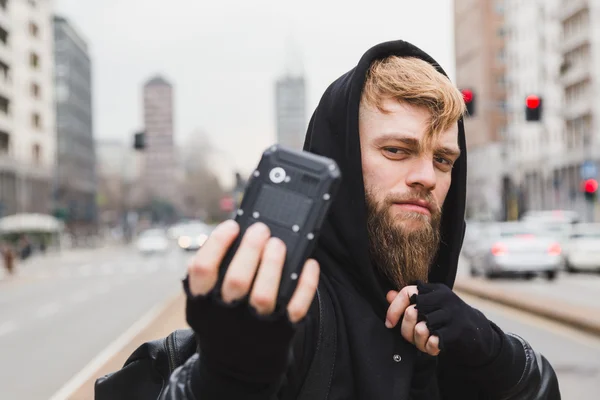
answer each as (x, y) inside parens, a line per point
(201, 188)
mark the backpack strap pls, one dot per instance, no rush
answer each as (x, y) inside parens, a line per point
(318, 379)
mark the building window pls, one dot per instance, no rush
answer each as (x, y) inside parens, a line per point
(4, 142)
(3, 35)
(4, 105)
(33, 29)
(501, 56)
(4, 70)
(36, 120)
(34, 60)
(35, 90)
(37, 153)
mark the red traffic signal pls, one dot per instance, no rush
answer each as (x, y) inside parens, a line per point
(533, 101)
(590, 186)
(533, 108)
(467, 95)
(227, 204)
(469, 98)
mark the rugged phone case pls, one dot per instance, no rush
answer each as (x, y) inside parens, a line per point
(290, 191)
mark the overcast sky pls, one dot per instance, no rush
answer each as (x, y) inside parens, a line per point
(224, 56)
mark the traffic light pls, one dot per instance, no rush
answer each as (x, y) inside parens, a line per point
(533, 108)
(590, 189)
(139, 141)
(469, 98)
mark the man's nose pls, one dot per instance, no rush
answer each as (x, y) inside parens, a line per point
(422, 174)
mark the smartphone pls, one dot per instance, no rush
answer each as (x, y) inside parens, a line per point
(290, 191)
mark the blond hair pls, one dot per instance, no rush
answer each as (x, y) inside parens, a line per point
(415, 82)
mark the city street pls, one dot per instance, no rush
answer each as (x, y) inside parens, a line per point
(574, 355)
(56, 317)
(577, 289)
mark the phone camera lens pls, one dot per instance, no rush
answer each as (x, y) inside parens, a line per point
(277, 175)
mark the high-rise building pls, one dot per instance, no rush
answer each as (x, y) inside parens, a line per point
(290, 102)
(580, 81)
(75, 181)
(160, 170)
(538, 173)
(27, 113)
(481, 67)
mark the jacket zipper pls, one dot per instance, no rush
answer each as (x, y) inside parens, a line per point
(172, 353)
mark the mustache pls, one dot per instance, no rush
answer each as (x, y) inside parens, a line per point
(414, 195)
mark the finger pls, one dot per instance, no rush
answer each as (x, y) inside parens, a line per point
(203, 270)
(421, 336)
(433, 345)
(241, 270)
(305, 291)
(408, 324)
(398, 305)
(266, 286)
(391, 295)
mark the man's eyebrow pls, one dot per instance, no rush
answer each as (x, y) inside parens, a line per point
(448, 151)
(416, 144)
(397, 137)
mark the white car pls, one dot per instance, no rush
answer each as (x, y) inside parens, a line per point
(584, 248)
(193, 236)
(153, 241)
(517, 249)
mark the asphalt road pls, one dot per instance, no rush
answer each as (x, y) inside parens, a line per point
(575, 356)
(577, 289)
(57, 315)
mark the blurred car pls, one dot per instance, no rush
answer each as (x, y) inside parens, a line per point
(193, 236)
(517, 249)
(472, 238)
(584, 248)
(153, 241)
(555, 216)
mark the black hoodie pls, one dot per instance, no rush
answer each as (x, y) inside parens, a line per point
(372, 361)
(358, 294)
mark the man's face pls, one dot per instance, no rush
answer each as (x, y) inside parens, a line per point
(407, 175)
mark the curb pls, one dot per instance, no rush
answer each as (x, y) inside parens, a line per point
(159, 321)
(584, 318)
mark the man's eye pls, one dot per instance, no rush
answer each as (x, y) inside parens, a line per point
(394, 150)
(444, 161)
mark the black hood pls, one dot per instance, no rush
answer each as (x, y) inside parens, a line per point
(333, 132)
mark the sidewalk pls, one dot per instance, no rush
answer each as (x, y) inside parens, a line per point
(586, 318)
(170, 318)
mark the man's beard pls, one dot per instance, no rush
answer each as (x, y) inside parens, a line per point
(402, 254)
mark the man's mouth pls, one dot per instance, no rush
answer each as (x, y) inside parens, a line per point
(420, 206)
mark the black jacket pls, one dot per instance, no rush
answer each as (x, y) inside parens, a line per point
(372, 362)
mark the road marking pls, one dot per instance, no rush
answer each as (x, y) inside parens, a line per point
(102, 288)
(43, 275)
(65, 272)
(530, 319)
(113, 349)
(130, 269)
(107, 269)
(48, 310)
(7, 327)
(85, 270)
(80, 297)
